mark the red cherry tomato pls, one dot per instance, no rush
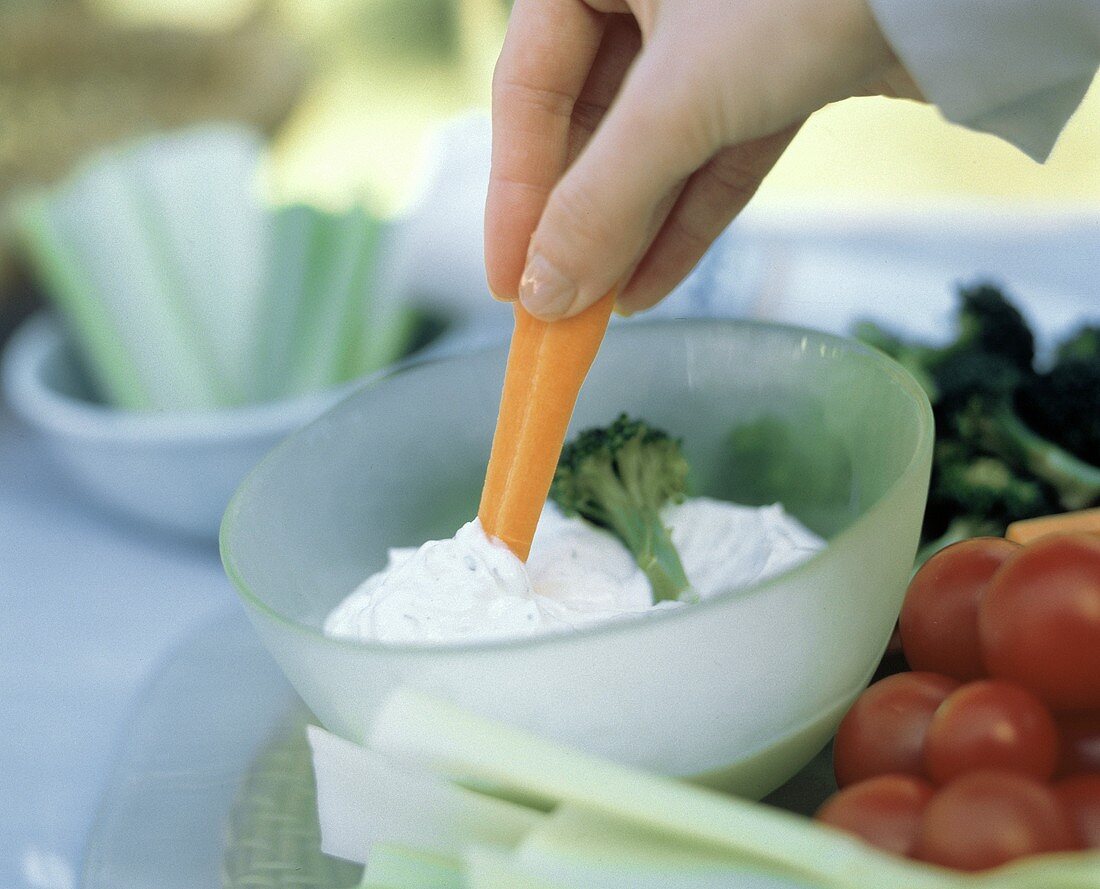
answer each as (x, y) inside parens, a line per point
(1081, 797)
(1080, 742)
(987, 818)
(883, 811)
(939, 618)
(1039, 620)
(884, 730)
(991, 724)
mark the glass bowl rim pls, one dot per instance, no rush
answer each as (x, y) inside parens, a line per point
(921, 446)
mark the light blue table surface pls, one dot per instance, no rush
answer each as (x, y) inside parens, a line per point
(89, 603)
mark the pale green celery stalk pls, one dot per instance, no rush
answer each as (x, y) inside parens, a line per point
(1068, 870)
(575, 848)
(400, 866)
(105, 355)
(387, 338)
(137, 284)
(281, 308)
(98, 218)
(195, 189)
(180, 301)
(387, 324)
(453, 742)
(364, 798)
(490, 868)
(332, 301)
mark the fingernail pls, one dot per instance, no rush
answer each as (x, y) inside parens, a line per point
(544, 290)
(622, 312)
(501, 299)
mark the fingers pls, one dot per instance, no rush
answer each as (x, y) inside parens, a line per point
(544, 63)
(621, 42)
(600, 216)
(727, 74)
(712, 197)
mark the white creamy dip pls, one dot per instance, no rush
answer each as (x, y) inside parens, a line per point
(472, 588)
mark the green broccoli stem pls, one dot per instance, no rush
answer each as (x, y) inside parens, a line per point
(647, 538)
(1076, 482)
(960, 528)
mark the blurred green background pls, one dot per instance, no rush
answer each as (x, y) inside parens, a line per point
(388, 68)
(362, 82)
(382, 71)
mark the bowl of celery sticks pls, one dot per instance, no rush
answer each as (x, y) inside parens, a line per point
(738, 690)
(192, 325)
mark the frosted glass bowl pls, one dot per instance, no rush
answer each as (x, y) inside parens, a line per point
(739, 691)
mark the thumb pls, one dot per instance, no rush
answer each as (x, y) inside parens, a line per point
(599, 218)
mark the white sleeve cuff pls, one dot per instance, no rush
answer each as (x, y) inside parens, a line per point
(1015, 68)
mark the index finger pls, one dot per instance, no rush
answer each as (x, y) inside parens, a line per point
(548, 52)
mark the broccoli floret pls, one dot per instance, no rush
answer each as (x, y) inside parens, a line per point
(619, 477)
(990, 330)
(1084, 344)
(988, 487)
(965, 480)
(990, 323)
(1011, 444)
(964, 375)
(1063, 405)
(1046, 426)
(992, 425)
(972, 494)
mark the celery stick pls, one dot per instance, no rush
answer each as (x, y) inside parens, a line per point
(387, 334)
(1069, 870)
(197, 190)
(453, 742)
(332, 301)
(363, 798)
(579, 848)
(290, 234)
(394, 865)
(314, 298)
(96, 226)
(387, 324)
(107, 360)
(489, 868)
(281, 310)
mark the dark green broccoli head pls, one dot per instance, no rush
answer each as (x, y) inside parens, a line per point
(619, 477)
(1063, 406)
(990, 323)
(1084, 344)
(973, 493)
(965, 376)
(627, 462)
(988, 487)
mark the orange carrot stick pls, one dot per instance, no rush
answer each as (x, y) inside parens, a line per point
(547, 363)
(1085, 520)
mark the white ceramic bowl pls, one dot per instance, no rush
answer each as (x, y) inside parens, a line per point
(176, 471)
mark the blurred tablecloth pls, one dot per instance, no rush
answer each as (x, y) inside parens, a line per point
(91, 603)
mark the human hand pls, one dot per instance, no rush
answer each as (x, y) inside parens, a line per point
(628, 133)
